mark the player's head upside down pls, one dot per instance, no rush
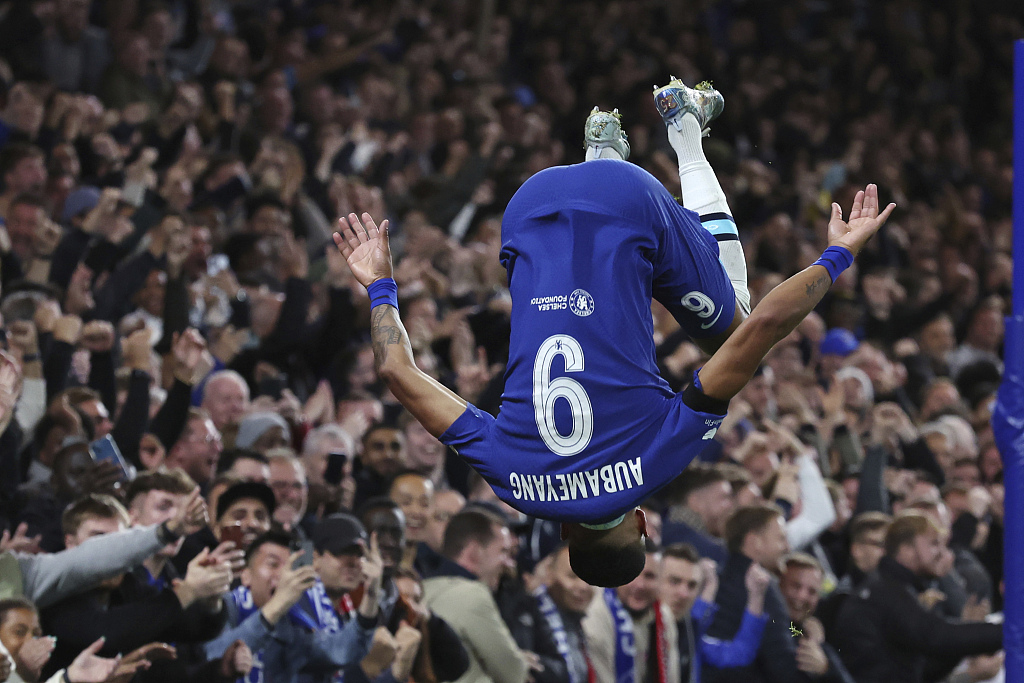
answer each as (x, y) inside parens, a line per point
(611, 556)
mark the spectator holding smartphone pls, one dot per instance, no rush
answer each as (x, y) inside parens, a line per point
(282, 612)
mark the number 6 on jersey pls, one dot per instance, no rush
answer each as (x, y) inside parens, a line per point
(547, 391)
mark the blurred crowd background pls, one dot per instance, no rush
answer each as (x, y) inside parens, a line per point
(174, 314)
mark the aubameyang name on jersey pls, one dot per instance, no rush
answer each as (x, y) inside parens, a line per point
(550, 303)
(558, 487)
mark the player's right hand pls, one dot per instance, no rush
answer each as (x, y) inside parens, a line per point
(365, 248)
(864, 221)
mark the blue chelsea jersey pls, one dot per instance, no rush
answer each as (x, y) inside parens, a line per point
(587, 427)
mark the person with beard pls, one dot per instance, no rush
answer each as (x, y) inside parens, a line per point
(630, 632)
(884, 633)
(701, 500)
(382, 458)
(126, 612)
(693, 607)
(800, 585)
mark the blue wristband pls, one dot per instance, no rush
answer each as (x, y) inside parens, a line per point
(835, 260)
(383, 291)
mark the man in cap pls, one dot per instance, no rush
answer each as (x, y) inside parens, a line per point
(263, 431)
(249, 507)
(835, 346)
(339, 545)
(340, 552)
(244, 511)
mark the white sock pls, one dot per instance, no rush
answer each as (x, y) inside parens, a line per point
(601, 153)
(703, 195)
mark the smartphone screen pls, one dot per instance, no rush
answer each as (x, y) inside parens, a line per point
(272, 386)
(336, 461)
(306, 558)
(106, 449)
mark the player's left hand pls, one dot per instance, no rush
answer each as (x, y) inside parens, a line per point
(365, 247)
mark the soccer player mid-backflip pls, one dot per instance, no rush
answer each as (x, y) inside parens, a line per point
(587, 428)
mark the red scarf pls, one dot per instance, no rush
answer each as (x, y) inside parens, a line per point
(661, 647)
(345, 607)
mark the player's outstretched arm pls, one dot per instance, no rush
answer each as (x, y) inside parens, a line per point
(778, 314)
(366, 248)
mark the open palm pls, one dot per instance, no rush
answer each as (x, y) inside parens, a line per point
(863, 223)
(365, 247)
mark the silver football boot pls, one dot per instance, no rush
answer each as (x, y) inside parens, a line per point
(676, 99)
(603, 131)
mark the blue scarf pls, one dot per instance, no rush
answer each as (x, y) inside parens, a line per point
(313, 612)
(549, 609)
(625, 642)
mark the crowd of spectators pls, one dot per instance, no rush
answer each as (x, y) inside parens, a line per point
(202, 478)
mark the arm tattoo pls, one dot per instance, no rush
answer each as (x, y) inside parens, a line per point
(814, 286)
(384, 333)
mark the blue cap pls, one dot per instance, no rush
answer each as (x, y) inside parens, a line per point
(83, 199)
(839, 342)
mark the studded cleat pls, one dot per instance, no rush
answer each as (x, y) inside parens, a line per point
(676, 100)
(603, 130)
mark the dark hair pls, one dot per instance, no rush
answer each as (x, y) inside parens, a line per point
(376, 427)
(747, 520)
(29, 199)
(96, 505)
(14, 153)
(11, 604)
(466, 527)
(272, 537)
(194, 414)
(682, 551)
(232, 455)
(258, 201)
(173, 480)
(47, 423)
(694, 478)
(375, 503)
(603, 563)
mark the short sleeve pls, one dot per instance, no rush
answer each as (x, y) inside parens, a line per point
(470, 434)
(689, 279)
